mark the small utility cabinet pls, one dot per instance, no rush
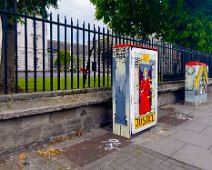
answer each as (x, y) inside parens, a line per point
(196, 83)
(134, 89)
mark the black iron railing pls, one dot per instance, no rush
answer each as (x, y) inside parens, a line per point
(53, 54)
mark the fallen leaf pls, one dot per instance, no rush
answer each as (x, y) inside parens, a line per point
(59, 140)
(20, 166)
(49, 152)
(2, 162)
(22, 156)
(78, 132)
(164, 130)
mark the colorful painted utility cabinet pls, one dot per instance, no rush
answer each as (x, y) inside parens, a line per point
(134, 89)
(196, 83)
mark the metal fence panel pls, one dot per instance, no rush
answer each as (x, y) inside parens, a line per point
(51, 54)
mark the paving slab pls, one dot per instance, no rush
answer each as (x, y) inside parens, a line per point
(193, 138)
(206, 110)
(207, 132)
(162, 144)
(194, 155)
(195, 126)
(205, 120)
(139, 162)
(130, 156)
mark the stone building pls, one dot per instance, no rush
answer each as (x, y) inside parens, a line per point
(30, 46)
(68, 48)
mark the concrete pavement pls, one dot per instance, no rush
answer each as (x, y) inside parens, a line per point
(182, 141)
(189, 142)
(130, 157)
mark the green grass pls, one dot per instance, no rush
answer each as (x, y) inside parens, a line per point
(39, 85)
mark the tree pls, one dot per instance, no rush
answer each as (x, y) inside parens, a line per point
(184, 22)
(62, 59)
(106, 50)
(189, 24)
(31, 7)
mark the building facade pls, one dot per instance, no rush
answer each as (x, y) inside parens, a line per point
(28, 34)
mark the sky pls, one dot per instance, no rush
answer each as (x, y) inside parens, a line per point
(82, 10)
(77, 9)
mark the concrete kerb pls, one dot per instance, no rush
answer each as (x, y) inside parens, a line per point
(168, 86)
(178, 85)
(54, 101)
(105, 95)
(34, 95)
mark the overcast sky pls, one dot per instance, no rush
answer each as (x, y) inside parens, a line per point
(77, 9)
(82, 10)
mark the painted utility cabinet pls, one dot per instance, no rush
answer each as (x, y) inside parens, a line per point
(196, 83)
(134, 89)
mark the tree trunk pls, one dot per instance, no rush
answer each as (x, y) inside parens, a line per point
(10, 57)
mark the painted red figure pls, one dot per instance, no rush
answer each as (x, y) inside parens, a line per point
(144, 90)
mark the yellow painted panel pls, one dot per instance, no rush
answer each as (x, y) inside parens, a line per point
(144, 120)
(145, 57)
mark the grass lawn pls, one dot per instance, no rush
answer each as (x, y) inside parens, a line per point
(21, 83)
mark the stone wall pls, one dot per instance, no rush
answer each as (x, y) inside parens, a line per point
(19, 132)
(170, 92)
(30, 119)
(173, 92)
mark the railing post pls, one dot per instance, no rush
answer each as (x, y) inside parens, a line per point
(5, 81)
(84, 71)
(35, 51)
(51, 53)
(58, 52)
(65, 53)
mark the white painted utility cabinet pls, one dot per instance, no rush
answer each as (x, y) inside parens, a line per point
(196, 83)
(135, 77)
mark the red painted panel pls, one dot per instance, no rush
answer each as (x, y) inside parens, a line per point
(133, 45)
(194, 63)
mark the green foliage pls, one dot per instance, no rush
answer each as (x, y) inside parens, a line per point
(129, 17)
(64, 58)
(22, 81)
(183, 22)
(29, 6)
(188, 23)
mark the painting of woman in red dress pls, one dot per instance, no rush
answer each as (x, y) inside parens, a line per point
(145, 93)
